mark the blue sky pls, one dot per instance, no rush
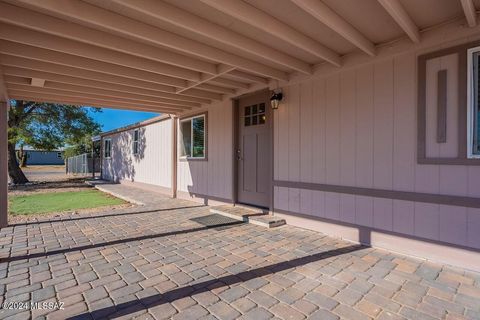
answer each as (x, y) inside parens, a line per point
(113, 118)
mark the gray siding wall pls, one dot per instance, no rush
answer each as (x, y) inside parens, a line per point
(212, 177)
(44, 158)
(358, 128)
(153, 163)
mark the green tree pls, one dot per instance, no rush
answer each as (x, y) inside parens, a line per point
(45, 126)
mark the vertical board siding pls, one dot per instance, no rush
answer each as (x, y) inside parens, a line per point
(358, 128)
(306, 152)
(152, 165)
(212, 177)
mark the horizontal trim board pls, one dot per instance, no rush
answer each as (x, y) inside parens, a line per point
(449, 200)
(449, 161)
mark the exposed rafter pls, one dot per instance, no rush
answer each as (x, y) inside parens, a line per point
(19, 81)
(181, 18)
(100, 18)
(222, 69)
(46, 41)
(401, 17)
(230, 83)
(39, 22)
(470, 12)
(83, 102)
(93, 75)
(19, 89)
(251, 15)
(214, 88)
(246, 76)
(50, 76)
(330, 18)
(38, 54)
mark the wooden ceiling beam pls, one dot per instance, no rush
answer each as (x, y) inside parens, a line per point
(71, 79)
(230, 83)
(331, 19)
(19, 81)
(15, 88)
(247, 76)
(97, 17)
(214, 88)
(193, 23)
(470, 12)
(51, 42)
(40, 22)
(20, 50)
(84, 102)
(401, 17)
(259, 19)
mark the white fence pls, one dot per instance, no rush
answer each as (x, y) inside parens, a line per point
(83, 164)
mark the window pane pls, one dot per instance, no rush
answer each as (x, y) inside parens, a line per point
(254, 120)
(186, 143)
(262, 119)
(261, 108)
(108, 148)
(247, 121)
(135, 136)
(198, 125)
(254, 109)
(247, 111)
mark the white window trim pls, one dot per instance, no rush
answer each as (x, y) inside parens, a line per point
(104, 148)
(135, 141)
(191, 137)
(470, 103)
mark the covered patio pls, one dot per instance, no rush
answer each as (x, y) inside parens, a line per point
(175, 57)
(172, 259)
(372, 137)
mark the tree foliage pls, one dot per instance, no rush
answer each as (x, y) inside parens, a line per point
(48, 126)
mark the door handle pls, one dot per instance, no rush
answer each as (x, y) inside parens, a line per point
(239, 157)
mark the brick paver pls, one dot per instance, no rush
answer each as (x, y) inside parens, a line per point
(154, 262)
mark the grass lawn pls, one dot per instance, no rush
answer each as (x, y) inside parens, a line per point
(60, 201)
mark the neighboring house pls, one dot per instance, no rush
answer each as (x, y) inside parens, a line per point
(375, 140)
(39, 157)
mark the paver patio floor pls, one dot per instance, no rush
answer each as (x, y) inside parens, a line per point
(155, 262)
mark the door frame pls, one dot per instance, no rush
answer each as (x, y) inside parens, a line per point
(236, 146)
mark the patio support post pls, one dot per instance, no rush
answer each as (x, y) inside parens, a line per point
(3, 166)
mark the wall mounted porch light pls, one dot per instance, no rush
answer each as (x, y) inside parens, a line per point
(275, 100)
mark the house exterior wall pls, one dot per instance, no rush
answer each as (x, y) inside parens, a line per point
(152, 166)
(211, 179)
(44, 158)
(345, 158)
(358, 128)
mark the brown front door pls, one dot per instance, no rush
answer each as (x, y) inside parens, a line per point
(254, 150)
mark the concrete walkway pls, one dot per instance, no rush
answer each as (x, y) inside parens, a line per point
(174, 259)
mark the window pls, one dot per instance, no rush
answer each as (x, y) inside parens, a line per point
(254, 115)
(474, 103)
(193, 136)
(107, 148)
(135, 141)
(59, 155)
